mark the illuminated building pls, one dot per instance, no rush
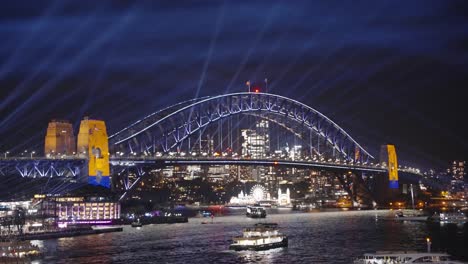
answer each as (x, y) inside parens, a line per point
(284, 199)
(295, 152)
(218, 172)
(256, 145)
(458, 170)
(6, 208)
(59, 139)
(256, 142)
(458, 173)
(80, 210)
(203, 146)
(257, 194)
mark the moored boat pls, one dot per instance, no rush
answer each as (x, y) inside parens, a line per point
(18, 252)
(390, 257)
(449, 218)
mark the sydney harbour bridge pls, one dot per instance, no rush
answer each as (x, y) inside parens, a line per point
(178, 135)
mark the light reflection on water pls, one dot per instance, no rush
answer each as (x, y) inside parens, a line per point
(331, 237)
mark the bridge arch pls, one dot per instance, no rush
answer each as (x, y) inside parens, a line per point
(168, 128)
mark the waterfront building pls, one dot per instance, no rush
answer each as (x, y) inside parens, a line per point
(284, 199)
(78, 209)
(257, 194)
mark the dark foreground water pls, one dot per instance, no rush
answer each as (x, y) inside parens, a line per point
(329, 237)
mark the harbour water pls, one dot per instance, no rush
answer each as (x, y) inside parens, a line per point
(326, 237)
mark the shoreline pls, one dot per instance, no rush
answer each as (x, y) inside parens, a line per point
(64, 233)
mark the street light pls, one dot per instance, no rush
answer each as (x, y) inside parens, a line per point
(32, 153)
(6, 153)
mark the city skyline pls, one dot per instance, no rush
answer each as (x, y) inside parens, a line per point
(226, 131)
(384, 82)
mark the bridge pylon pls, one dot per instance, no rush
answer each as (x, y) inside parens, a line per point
(388, 157)
(389, 185)
(93, 144)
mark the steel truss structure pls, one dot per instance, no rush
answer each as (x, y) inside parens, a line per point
(35, 168)
(166, 130)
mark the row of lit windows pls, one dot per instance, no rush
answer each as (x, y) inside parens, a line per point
(70, 199)
(88, 204)
(89, 211)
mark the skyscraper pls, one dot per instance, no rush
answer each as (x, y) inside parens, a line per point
(256, 142)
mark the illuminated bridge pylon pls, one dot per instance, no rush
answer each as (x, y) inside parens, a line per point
(178, 126)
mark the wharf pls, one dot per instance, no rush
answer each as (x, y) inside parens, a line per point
(64, 233)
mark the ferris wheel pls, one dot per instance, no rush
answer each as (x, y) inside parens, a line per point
(258, 192)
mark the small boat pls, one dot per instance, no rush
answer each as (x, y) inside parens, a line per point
(18, 252)
(400, 216)
(389, 257)
(256, 212)
(137, 223)
(262, 236)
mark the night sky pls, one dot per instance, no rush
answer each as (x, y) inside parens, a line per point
(386, 71)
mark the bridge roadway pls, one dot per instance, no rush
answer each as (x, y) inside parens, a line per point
(71, 165)
(75, 167)
(171, 161)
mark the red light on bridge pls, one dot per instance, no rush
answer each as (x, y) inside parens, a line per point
(257, 90)
(276, 163)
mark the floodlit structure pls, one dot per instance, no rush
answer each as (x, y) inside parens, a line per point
(388, 157)
(93, 144)
(81, 210)
(59, 139)
(284, 199)
(257, 194)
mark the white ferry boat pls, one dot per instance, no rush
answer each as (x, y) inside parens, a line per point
(389, 257)
(18, 252)
(262, 236)
(256, 212)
